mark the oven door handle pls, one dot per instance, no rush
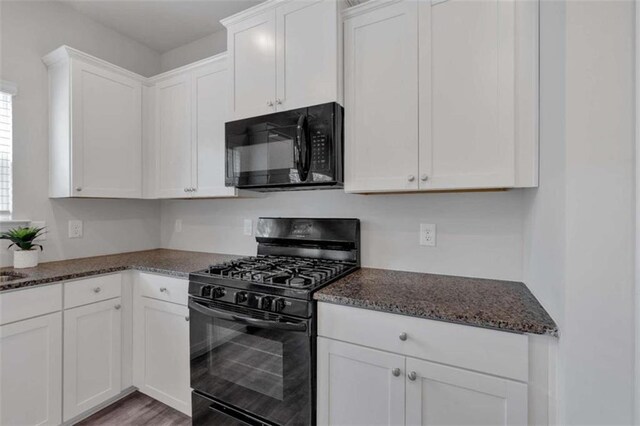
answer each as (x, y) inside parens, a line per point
(272, 325)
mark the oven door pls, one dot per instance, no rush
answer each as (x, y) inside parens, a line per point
(257, 362)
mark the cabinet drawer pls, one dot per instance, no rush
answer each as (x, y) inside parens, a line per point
(160, 287)
(495, 352)
(22, 304)
(91, 290)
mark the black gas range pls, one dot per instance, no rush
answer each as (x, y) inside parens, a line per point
(252, 325)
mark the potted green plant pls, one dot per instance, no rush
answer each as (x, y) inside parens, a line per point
(26, 254)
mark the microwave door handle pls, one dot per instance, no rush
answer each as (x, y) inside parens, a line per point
(272, 325)
(302, 132)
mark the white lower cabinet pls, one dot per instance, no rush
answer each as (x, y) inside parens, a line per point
(362, 382)
(358, 385)
(92, 355)
(442, 395)
(31, 371)
(161, 352)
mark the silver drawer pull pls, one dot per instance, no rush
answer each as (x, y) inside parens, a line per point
(395, 372)
(97, 290)
(403, 336)
(412, 376)
(163, 289)
(117, 306)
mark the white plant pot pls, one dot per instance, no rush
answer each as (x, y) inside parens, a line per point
(25, 258)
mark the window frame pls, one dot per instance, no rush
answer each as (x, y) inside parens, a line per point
(11, 89)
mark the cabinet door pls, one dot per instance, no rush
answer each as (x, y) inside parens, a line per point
(252, 64)
(161, 352)
(173, 136)
(467, 127)
(92, 355)
(211, 111)
(31, 371)
(442, 395)
(358, 385)
(307, 53)
(106, 125)
(381, 99)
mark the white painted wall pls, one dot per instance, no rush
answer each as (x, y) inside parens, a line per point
(202, 48)
(579, 226)
(478, 234)
(28, 30)
(598, 335)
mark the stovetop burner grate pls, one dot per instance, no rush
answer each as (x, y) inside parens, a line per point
(296, 272)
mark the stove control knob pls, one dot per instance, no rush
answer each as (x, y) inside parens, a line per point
(241, 297)
(265, 302)
(206, 291)
(277, 305)
(218, 292)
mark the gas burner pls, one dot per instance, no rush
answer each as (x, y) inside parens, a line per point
(282, 271)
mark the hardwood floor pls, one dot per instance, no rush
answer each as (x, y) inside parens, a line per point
(137, 410)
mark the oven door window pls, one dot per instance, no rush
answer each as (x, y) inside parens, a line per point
(248, 361)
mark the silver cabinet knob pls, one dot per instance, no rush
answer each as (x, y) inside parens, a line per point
(193, 189)
(424, 177)
(186, 190)
(412, 376)
(278, 101)
(395, 372)
(269, 103)
(186, 319)
(117, 306)
(403, 336)
(79, 188)
(97, 290)
(163, 289)
(411, 178)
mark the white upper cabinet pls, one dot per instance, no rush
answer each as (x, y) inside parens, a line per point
(381, 99)
(251, 46)
(173, 135)
(308, 64)
(95, 127)
(441, 95)
(284, 55)
(210, 112)
(191, 107)
(467, 94)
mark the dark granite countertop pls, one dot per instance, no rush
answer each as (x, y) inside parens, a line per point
(503, 305)
(176, 263)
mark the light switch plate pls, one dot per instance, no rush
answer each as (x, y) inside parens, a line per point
(75, 229)
(427, 234)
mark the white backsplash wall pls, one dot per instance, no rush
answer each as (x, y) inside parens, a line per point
(29, 30)
(478, 234)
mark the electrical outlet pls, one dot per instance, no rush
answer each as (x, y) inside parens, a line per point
(427, 234)
(75, 229)
(248, 227)
(40, 224)
(178, 225)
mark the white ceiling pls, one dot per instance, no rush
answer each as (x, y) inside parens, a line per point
(161, 24)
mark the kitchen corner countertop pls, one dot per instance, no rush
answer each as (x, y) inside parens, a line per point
(177, 263)
(502, 305)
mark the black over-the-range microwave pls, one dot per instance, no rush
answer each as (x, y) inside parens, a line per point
(288, 150)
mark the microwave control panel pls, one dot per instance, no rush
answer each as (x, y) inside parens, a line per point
(320, 152)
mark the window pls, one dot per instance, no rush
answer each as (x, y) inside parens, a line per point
(6, 142)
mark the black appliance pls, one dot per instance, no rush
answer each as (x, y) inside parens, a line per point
(297, 149)
(252, 323)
